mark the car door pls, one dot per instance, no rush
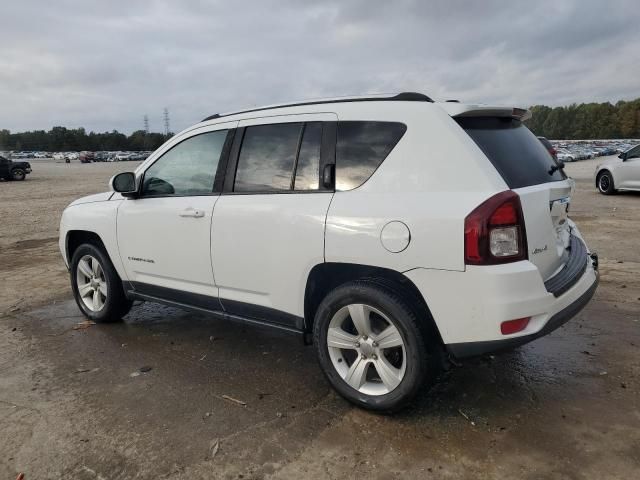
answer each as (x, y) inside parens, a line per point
(268, 224)
(629, 170)
(164, 234)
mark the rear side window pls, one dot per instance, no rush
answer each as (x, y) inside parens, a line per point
(267, 157)
(514, 151)
(360, 149)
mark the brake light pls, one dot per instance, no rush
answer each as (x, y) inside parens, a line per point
(494, 232)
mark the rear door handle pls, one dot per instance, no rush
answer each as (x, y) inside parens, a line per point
(191, 212)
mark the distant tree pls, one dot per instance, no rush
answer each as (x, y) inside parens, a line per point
(63, 139)
(587, 120)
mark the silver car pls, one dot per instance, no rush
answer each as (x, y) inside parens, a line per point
(621, 173)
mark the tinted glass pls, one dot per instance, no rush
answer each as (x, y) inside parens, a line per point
(267, 157)
(513, 150)
(188, 168)
(546, 143)
(633, 153)
(308, 168)
(360, 149)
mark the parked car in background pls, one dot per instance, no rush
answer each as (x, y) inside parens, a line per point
(122, 156)
(86, 157)
(315, 232)
(621, 173)
(10, 170)
(564, 155)
(550, 148)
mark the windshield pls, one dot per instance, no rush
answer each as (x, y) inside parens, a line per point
(514, 151)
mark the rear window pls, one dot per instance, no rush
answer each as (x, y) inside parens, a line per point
(513, 150)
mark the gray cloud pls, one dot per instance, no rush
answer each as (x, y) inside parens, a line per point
(103, 65)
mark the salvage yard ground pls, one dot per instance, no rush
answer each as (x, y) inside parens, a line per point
(168, 394)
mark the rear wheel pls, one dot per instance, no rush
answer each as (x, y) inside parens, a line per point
(97, 288)
(605, 183)
(370, 346)
(18, 174)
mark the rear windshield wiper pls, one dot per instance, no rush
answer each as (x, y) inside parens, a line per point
(558, 166)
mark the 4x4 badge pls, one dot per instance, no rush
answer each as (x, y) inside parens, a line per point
(539, 250)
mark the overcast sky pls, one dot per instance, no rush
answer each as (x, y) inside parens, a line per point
(105, 64)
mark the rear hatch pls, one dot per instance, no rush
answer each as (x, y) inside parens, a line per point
(528, 169)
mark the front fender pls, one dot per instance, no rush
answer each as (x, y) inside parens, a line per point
(98, 218)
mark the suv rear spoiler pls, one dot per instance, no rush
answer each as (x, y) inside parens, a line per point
(464, 110)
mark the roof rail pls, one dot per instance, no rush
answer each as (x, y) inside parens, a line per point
(403, 97)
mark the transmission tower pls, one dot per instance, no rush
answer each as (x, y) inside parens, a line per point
(166, 122)
(146, 124)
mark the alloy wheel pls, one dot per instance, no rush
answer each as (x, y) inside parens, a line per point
(366, 349)
(92, 283)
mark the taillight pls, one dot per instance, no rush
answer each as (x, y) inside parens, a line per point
(494, 232)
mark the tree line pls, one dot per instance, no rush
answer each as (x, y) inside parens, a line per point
(62, 139)
(587, 121)
(574, 122)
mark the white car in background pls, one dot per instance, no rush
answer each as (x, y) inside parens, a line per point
(621, 173)
(391, 231)
(564, 155)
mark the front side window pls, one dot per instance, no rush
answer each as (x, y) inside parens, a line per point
(360, 149)
(267, 157)
(189, 168)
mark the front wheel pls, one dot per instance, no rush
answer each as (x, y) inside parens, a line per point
(371, 348)
(96, 285)
(18, 174)
(605, 183)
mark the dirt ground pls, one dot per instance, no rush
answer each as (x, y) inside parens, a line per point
(75, 405)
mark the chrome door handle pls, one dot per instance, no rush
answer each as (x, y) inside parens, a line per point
(190, 212)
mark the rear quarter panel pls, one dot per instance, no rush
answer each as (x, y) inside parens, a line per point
(430, 181)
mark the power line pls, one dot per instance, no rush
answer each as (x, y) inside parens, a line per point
(166, 122)
(146, 124)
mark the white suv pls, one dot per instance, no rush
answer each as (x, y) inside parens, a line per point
(393, 232)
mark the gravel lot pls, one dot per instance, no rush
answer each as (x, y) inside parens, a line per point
(74, 404)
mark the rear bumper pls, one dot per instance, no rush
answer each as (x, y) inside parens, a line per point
(469, 307)
(473, 349)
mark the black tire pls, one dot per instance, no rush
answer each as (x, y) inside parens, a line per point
(18, 174)
(116, 304)
(421, 349)
(605, 184)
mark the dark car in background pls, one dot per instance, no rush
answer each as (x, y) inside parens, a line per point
(10, 170)
(86, 157)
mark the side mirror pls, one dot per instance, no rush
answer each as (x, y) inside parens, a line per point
(124, 183)
(623, 156)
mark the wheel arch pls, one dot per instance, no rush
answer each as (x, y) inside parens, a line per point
(602, 171)
(75, 238)
(326, 276)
